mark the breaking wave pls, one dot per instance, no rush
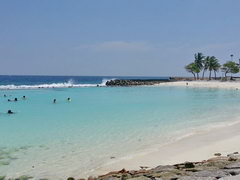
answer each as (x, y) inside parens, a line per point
(69, 84)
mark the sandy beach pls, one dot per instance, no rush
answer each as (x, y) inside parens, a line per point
(204, 84)
(200, 145)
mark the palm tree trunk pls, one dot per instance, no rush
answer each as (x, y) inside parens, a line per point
(194, 75)
(210, 75)
(215, 75)
(203, 74)
(197, 75)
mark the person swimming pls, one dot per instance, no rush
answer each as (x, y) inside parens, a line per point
(24, 97)
(54, 101)
(9, 100)
(4, 95)
(69, 99)
(15, 99)
(10, 112)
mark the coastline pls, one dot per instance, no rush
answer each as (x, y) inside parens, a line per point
(234, 85)
(193, 146)
(196, 146)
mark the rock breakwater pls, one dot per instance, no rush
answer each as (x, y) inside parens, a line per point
(135, 82)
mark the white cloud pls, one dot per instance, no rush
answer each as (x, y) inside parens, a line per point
(118, 46)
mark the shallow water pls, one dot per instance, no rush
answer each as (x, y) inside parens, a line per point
(99, 124)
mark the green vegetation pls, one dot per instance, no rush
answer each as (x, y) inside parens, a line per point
(192, 68)
(211, 64)
(230, 67)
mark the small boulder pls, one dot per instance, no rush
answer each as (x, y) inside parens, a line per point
(189, 165)
(70, 178)
(217, 154)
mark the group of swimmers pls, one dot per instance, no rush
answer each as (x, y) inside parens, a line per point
(24, 98)
(68, 99)
(14, 100)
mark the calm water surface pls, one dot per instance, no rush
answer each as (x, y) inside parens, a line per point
(99, 123)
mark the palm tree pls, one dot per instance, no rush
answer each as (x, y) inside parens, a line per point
(216, 67)
(213, 65)
(192, 68)
(205, 65)
(199, 58)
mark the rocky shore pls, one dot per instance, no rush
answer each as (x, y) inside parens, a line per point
(218, 167)
(147, 82)
(134, 82)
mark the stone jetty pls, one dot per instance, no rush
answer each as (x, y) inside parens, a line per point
(142, 82)
(135, 82)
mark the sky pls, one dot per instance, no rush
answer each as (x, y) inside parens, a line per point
(115, 37)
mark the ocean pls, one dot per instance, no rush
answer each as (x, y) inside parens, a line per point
(100, 124)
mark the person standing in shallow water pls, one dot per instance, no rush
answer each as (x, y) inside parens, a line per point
(54, 101)
(69, 99)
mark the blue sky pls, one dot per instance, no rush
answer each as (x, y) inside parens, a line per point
(110, 37)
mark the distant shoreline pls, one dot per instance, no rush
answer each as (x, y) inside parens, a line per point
(175, 81)
(234, 85)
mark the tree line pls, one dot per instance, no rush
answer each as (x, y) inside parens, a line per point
(203, 64)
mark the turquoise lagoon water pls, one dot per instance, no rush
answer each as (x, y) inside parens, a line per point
(70, 138)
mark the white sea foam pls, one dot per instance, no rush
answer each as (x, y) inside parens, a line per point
(69, 84)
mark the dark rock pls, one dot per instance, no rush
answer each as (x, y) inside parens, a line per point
(135, 82)
(70, 178)
(217, 154)
(233, 172)
(233, 157)
(189, 165)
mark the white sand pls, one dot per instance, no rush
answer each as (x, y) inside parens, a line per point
(204, 84)
(197, 147)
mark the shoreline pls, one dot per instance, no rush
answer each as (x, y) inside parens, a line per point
(233, 85)
(195, 147)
